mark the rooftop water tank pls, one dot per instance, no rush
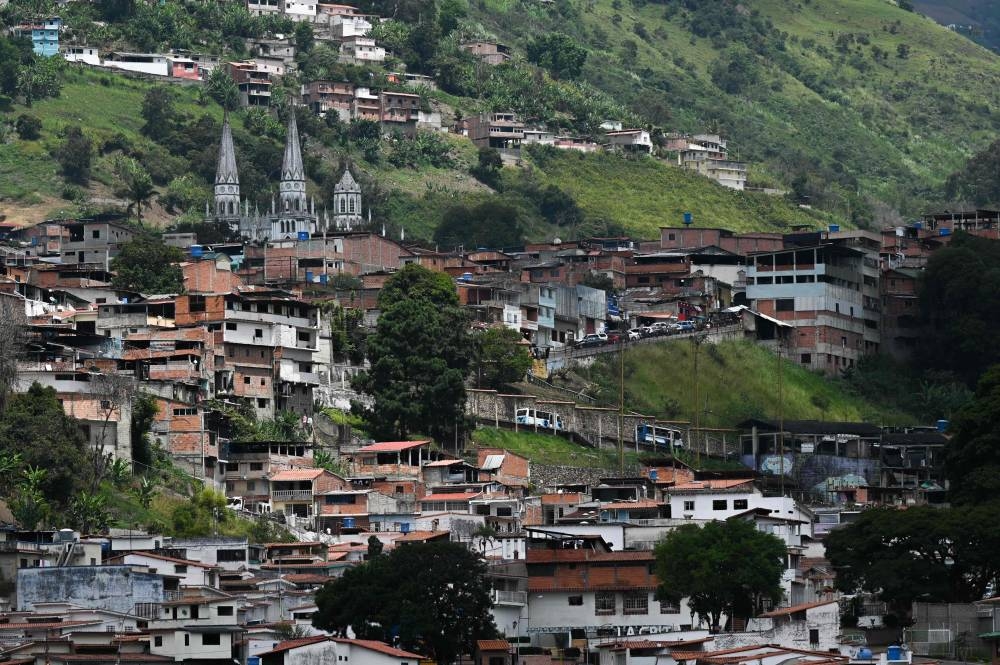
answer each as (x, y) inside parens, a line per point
(303, 235)
(688, 219)
(944, 232)
(894, 653)
(309, 276)
(404, 528)
(323, 279)
(348, 522)
(942, 425)
(466, 277)
(918, 225)
(864, 653)
(653, 474)
(835, 228)
(197, 251)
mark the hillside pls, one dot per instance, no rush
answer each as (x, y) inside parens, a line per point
(737, 380)
(858, 105)
(978, 19)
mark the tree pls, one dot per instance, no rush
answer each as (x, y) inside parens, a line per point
(34, 426)
(13, 331)
(972, 457)
(374, 546)
(158, 112)
(501, 358)
(432, 598)
(147, 265)
(941, 555)
(134, 183)
(200, 515)
(488, 166)
(488, 224)
(29, 505)
(14, 53)
(304, 38)
(39, 79)
(89, 512)
(735, 70)
(419, 356)
(28, 127)
(223, 89)
(560, 54)
(75, 155)
(726, 567)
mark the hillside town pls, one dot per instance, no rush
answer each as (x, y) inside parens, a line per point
(275, 430)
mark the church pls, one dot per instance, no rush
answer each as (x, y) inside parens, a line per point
(294, 213)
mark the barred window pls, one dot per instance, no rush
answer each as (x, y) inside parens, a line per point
(636, 602)
(604, 603)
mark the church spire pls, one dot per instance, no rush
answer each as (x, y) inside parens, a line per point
(292, 188)
(227, 179)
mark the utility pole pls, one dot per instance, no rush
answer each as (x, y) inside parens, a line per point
(621, 404)
(697, 341)
(781, 421)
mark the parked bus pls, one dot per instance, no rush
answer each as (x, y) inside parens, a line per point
(542, 419)
(659, 435)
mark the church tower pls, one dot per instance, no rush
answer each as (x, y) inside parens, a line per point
(292, 189)
(227, 180)
(347, 202)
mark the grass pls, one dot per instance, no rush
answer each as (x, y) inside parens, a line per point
(736, 381)
(548, 449)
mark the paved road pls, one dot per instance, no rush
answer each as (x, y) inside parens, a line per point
(713, 333)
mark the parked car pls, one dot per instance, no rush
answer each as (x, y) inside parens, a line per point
(634, 334)
(661, 328)
(614, 337)
(593, 339)
(684, 326)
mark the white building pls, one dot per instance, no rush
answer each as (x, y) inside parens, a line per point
(343, 26)
(814, 626)
(324, 650)
(722, 499)
(361, 49)
(85, 54)
(630, 140)
(188, 573)
(299, 10)
(193, 628)
(144, 63)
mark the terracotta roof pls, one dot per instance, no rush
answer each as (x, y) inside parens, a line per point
(451, 496)
(297, 474)
(420, 536)
(380, 647)
(786, 611)
(306, 578)
(98, 657)
(45, 624)
(392, 446)
(561, 499)
(695, 655)
(295, 644)
(716, 484)
(446, 462)
(493, 645)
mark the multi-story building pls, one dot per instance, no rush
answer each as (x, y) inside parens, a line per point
(819, 291)
(359, 49)
(327, 96)
(708, 155)
(495, 130)
(492, 53)
(44, 35)
(93, 241)
(630, 140)
(253, 82)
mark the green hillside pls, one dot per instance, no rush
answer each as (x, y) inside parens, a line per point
(859, 105)
(736, 381)
(977, 19)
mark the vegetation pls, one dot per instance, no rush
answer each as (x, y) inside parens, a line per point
(726, 567)
(549, 449)
(429, 598)
(736, 381)
(972, 457)
(419, 355)
(501, 358)
(147, 265)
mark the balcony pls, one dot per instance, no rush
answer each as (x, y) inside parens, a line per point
(291, 495)
(518, 598)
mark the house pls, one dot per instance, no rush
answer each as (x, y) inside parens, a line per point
(900, 315)
(198, 629)
(578, 586)
(342, 511)
(344, 26)
(263, 7)
(323, 650)
(113, 588)
(492, 53)
(493, 652)
(294, 492)
(814, 626)
(325, 96)
(155, 64)
(44, 35)
(85, 54)
(250, 464)
(708, 155)
(495, 130)
(300, 10)
(396, 458)
(253, 82)
(187, 573)
(399, 111)
(359, 50)
(722, 498)
(183, 68)
(93, 241)
(503, 466)
(630, 140)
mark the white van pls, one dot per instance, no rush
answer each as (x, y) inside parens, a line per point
(657, 435)
(542, 419)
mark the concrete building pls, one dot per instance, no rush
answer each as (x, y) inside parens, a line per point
(323, 650)
(495, 130)
(111, 588)
(492, 53)
(155, 64)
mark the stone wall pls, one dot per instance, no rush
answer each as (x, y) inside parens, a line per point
(548, 475)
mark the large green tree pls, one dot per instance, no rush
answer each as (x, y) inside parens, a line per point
(35, 427)
(419, 355)
(488, 224)
(972, 457)
(147, 265)
(960, 305)
(723, 568)
(923, 552)
(431, 598)
(501, 357)
(559, 53)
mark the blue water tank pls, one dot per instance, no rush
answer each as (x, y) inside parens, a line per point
(253, 660)
(303, 235)
(404, 528)
(835, 228)
(348, 522)
(653, 474)
(197, 251)
(323, 279)
(863, 654)
(688, 218)
(309, 276)
(466, 277)
(918, 225)
(944, 232)
(942, 425)
(894, 653)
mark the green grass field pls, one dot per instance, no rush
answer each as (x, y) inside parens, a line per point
(736, 381)
(548, 449)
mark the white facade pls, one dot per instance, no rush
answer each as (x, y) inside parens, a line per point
(343, 26)
(362, 49)
(708, 504)
(85, 54)
(194, 629)
(815, 626)
(300, 10)
(190, 573)
(144, 63)
(331, 651)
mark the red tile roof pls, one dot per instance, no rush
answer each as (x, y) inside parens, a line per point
(493, 645)
(445, 462)
(45, 624)
(98, 657)
(421, 536)
(716, 484)
(786, 611)
(643, 504)
(561, 499)
(297, 474)
(392, 446)
(295, 644)
(160, 557)
(380, 647)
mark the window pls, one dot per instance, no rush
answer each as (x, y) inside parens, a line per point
(180, 569)
(187, 640)
(211, 640)
(636, 602)
(784, 305)
(497, 660)
(158, 641)
(689, 505)
(669, 607)
(720, 504)
(814, 636)
(576, 600)
(806, 358)
(230, 326)
(303, 337)
(95, 234)
(256, 466)
(604, 603)
(246, 380)
(258, 333)
(740, 504)
(225, 610)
